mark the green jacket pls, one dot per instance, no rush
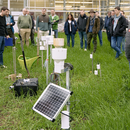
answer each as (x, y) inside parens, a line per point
(43, 22)
(54, 24)
(24, 22)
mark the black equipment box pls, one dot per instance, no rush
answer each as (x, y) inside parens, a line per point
(24, 86)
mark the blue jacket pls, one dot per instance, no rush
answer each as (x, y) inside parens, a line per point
(73, 27)
(107, 22)
(12, 21)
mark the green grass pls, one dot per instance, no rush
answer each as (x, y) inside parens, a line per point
(98, 103)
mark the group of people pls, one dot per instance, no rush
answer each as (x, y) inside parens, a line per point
(88, 28)
(115, 25)
(25, 25)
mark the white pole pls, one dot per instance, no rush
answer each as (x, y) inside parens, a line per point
(9, 4)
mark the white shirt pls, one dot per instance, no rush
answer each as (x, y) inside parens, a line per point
(69, 21)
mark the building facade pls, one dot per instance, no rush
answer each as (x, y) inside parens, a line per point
(63, 7)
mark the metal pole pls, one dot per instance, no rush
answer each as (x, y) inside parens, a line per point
(9, 4)
(47, 65)
(14, 59)
(68, 87)
(50, 53)
(92, 62)
(42, 59)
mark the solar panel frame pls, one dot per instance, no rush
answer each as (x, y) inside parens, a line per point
(61, 105)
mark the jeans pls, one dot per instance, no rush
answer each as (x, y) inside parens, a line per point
(2, 44)
(56, 33)
(81, 35)
(123, 44)
(116, 44)
(100, 37)
(68, 39)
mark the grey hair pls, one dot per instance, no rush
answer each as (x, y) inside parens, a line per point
(24, 9)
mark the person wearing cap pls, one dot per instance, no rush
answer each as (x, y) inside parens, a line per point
(101, 27)
(81, 26)
(118, 26)
(92, 29)
(9, 25)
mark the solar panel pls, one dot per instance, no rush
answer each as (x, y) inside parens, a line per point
(51, 101)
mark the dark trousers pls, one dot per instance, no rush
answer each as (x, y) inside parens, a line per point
(11, 34)
(89, 38)
(108, 36)
(32, 36)
(72, 38)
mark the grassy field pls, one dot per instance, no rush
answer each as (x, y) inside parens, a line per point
(98, 103)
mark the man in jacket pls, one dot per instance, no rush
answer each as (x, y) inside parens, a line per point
(54, 21)
(127, 45)
(9, 25)
(25, 24)
(101, 27)
(3, 32)
(32, 29)
(107, 26)
(118, 26)
(81, 25)
(92, 29)
(44, 23)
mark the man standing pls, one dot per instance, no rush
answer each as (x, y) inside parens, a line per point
(101, 27)
(3, 32)
(118, 26)
(25, 25)
(54, 21)
(44, 23)
(32, 29)
(92, 29)
(107, 25)
(81, 25)
(112, 14)
(9, 25)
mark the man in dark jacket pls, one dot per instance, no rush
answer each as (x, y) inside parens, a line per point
(92, 29)
(101, 27)
(81, 25)
(107, 26)
(3, 32)
(9, 25)
(124, 33)
(32, 29)
(127, 45)
(118, 26)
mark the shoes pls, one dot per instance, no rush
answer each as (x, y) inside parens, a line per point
(3, 66)
(85, 49)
